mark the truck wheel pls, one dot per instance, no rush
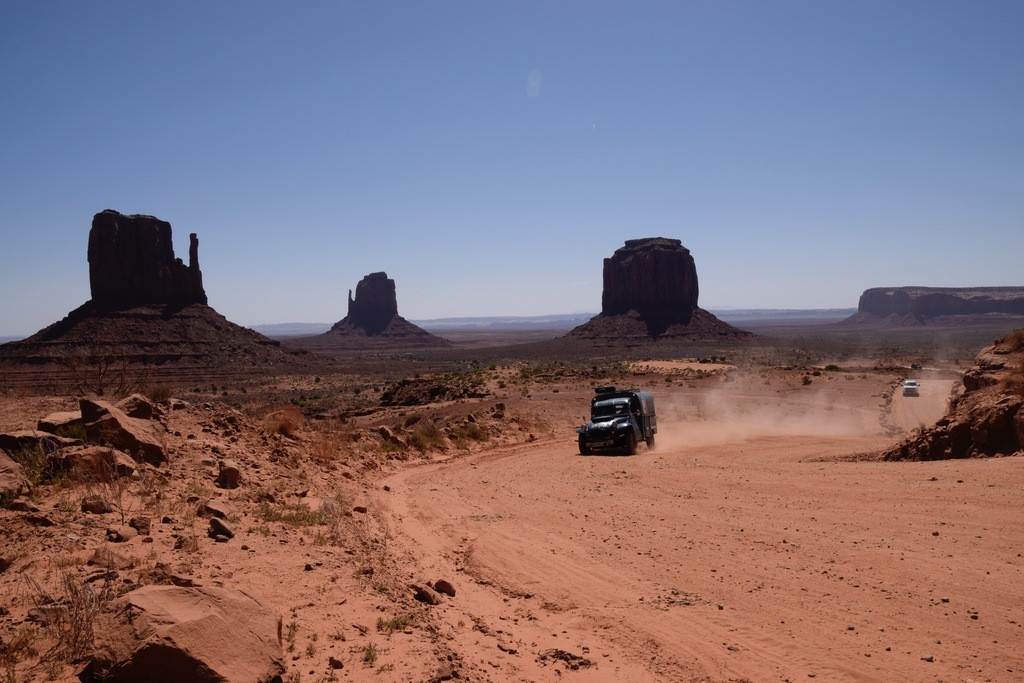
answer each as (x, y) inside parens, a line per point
(631, 444)
(650, 442)
(584, 450)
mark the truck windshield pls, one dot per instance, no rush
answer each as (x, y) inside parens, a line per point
(612, 408)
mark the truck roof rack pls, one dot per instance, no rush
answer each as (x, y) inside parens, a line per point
(605, 390)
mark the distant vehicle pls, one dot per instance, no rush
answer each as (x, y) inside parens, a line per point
(619, 419)
(911, 388)
(915, 366)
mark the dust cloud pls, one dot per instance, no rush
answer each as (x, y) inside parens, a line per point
(748, 409)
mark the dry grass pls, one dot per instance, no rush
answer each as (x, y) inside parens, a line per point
(286, 421)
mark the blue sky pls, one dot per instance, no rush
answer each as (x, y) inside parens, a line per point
(489, 155)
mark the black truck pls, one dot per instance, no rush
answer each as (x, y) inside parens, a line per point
(619, 419)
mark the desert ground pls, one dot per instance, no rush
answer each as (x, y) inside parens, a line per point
(761, 539)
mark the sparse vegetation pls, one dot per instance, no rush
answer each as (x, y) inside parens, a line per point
(370, 653)
(285, 421)
(397, 623)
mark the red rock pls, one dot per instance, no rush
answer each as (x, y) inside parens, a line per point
(650, 290)
(55, 421)
(106, 423)
(229, 476)
(131, 261)
(172, 634)
(13, 481)
(140, 407)
(96, 463)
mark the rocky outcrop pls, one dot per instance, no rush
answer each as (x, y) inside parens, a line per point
(372, 322)
(171, 633)
(918, 305)
(987, 419)
(131, 262)
(651, 290)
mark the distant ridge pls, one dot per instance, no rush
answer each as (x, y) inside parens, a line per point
(565, 321)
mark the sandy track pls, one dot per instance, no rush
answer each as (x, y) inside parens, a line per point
(733, 552)
(910, 412)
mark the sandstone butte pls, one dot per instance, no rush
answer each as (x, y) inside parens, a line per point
(650, 291)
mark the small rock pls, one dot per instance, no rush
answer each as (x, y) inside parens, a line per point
(108, 559)
(218, 527)
(230, 476)
(928, 658)
(120, 534)
(38, 519)
(444, 587)
(140, 524)
(334, 662)
(214, 508)
(360, 509)
(426, 594)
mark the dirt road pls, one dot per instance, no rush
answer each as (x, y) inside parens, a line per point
(911, 412)
(743, 548)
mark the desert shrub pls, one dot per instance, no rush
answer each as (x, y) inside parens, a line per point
(36, 462)
(831, 367)
(19, 647)
(72, 431)
(1013, 380)
(1015, 340)
(286, 421)
(300, 515)
(398, 623)
(426, 438)
(806, 380)
(157, 394)
(72, 613)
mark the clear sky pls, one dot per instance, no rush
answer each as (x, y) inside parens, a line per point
(489, 155)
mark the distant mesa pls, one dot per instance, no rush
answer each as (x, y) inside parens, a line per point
(372, 322)
(146, 307)
(924, 305)
(650, 290)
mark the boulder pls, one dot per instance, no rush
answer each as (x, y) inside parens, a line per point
(12, 442)
(96, 505)
(229, 476)
(131, 261)
(13, 481)
(61, 420)
(96, 463)
(138, 406)
(205, 635)
(106, 423)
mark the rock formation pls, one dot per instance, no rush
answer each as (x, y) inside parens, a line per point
(919, 305)
(650, 290)
(374, 306)
(987, 419)
(147, 308)
(131, 262)
(372, 322)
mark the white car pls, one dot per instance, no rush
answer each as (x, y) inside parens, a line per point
(911, 388)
